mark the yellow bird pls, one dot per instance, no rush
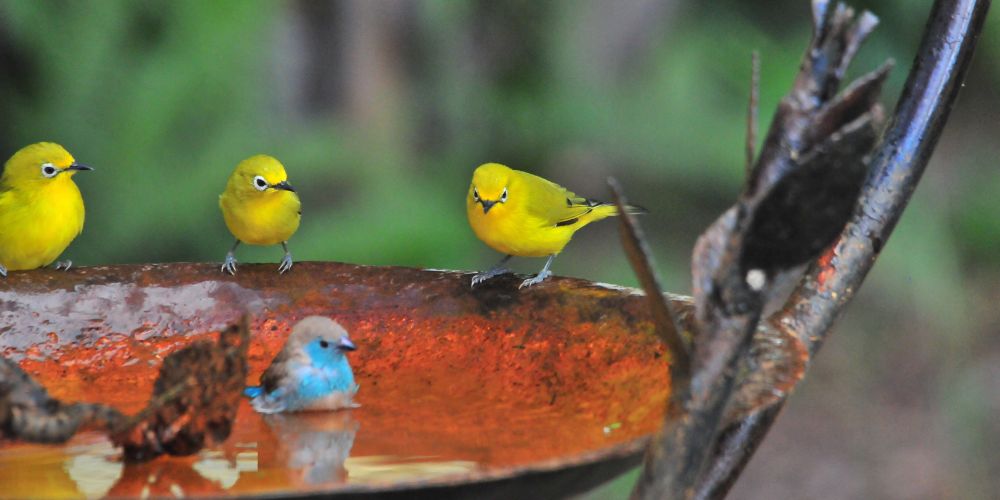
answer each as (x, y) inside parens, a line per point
(521, 214)
(260, 208)
(41, 210)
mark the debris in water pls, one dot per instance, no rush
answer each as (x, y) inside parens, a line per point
(193, 404)
(194, 399)
(28, 413)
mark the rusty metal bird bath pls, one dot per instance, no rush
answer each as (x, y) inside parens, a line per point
(494, 392)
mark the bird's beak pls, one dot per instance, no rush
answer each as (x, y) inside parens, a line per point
(78, 166)
(284, 185)
(346, 344)
(487, 205)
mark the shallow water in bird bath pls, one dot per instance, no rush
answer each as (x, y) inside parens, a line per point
(453, 394)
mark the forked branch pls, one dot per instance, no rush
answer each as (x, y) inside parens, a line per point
(801, 192)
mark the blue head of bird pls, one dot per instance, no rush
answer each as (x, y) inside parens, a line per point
(489, 190)
(259, 175)
(40, 165)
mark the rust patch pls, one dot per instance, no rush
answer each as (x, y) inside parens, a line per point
(827, 271)
(487, 382)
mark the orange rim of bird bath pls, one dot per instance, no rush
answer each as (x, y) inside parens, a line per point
(494, 391)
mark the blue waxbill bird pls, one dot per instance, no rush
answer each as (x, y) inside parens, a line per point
(310, 373)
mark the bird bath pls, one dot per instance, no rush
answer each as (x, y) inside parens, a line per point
(487, 391)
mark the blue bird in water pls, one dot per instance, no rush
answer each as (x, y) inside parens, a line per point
(310, 373)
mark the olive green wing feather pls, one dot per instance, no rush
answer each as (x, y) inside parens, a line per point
(554, 204)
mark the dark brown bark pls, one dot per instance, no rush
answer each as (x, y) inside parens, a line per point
(802, 195)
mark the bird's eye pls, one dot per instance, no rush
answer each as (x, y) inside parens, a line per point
(475, 194)
(324, 344)
(503, 196)
(49, 171)
(260, 183)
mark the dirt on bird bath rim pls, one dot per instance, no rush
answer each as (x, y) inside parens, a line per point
(490, 388)
(493, 392)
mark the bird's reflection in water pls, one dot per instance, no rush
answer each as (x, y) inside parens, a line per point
(311, 446)
(304, 451)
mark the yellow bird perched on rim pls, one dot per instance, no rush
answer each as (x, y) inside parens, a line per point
(521, 214)
(260, 208)
(41, 210)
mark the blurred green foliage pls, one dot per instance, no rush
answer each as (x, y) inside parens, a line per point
(381, 110)
(165, 97)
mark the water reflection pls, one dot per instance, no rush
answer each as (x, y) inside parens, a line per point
(312, 447)
(391, 468)
(296, 451)
(497, 403)
(306, 452)
(167, 477)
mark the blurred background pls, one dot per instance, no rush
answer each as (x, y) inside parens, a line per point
(381, 110)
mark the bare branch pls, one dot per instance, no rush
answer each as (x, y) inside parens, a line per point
(752, 110)
(664, 317)
(798, 197)
(921, 113)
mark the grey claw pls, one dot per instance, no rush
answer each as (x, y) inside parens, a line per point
(492, 273)
(64, 265)
(286, 264)
(536, 280)
(229, 265)
(3, 271)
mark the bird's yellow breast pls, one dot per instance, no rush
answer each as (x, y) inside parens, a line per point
(38, 222)
(513, 230)
(528, 215)
(514, 234)
(265, 219)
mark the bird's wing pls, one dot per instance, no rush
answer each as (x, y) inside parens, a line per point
(554, 204)
(275, 374)
(8, 206)
(6, 195)
(274, 402)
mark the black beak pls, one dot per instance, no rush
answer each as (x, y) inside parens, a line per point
(487, 205)
(346, 344)
(78, 166)
(284, 185)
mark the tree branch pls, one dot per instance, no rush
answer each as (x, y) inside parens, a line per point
(899, 161)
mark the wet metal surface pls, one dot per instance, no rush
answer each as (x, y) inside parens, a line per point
(457, 386)
(491, 391)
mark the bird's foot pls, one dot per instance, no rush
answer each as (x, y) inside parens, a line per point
(286, 263)
(492, 273)
(536, 280)
(229, 265)
(3, 271)
(64, 265)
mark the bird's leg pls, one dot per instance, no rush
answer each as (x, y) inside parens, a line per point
(3, 271)
(64, 265)
(540, 277)
(286, 261)
(496, 270)
(229, 265)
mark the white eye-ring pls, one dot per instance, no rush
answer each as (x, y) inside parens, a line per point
(49, 170)
(260, 183)
(503, 196)
(475, 194)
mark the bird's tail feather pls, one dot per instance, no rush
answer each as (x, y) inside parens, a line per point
(603, 210)
(636, 209)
